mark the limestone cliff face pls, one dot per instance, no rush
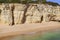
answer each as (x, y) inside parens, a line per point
(32, 13)
(19, 13)
(6, 15)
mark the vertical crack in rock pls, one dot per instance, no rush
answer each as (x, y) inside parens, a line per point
(24, 16)
(33, 14)
(41, 15)
(12, 9)
(0, 14)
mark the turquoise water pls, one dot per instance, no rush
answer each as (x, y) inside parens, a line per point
(36, 36)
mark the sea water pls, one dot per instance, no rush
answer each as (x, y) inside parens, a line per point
(50, 35)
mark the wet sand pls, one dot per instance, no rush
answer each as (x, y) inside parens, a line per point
(6, 30)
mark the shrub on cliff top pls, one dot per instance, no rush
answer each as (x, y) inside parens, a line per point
(21, 1)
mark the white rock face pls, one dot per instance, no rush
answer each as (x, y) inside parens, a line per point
(0, 12)
(20, 7)
(6, 16)
(19, 13)
(18, 17)
(33, 15)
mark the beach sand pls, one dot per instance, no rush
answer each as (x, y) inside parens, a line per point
(6, 30)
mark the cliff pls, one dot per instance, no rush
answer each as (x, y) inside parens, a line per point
(12, 14)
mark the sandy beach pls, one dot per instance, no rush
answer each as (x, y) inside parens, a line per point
(27, 28)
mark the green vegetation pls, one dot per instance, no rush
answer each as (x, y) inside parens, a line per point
(9, 1)
(22, 1)
(28, 1)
